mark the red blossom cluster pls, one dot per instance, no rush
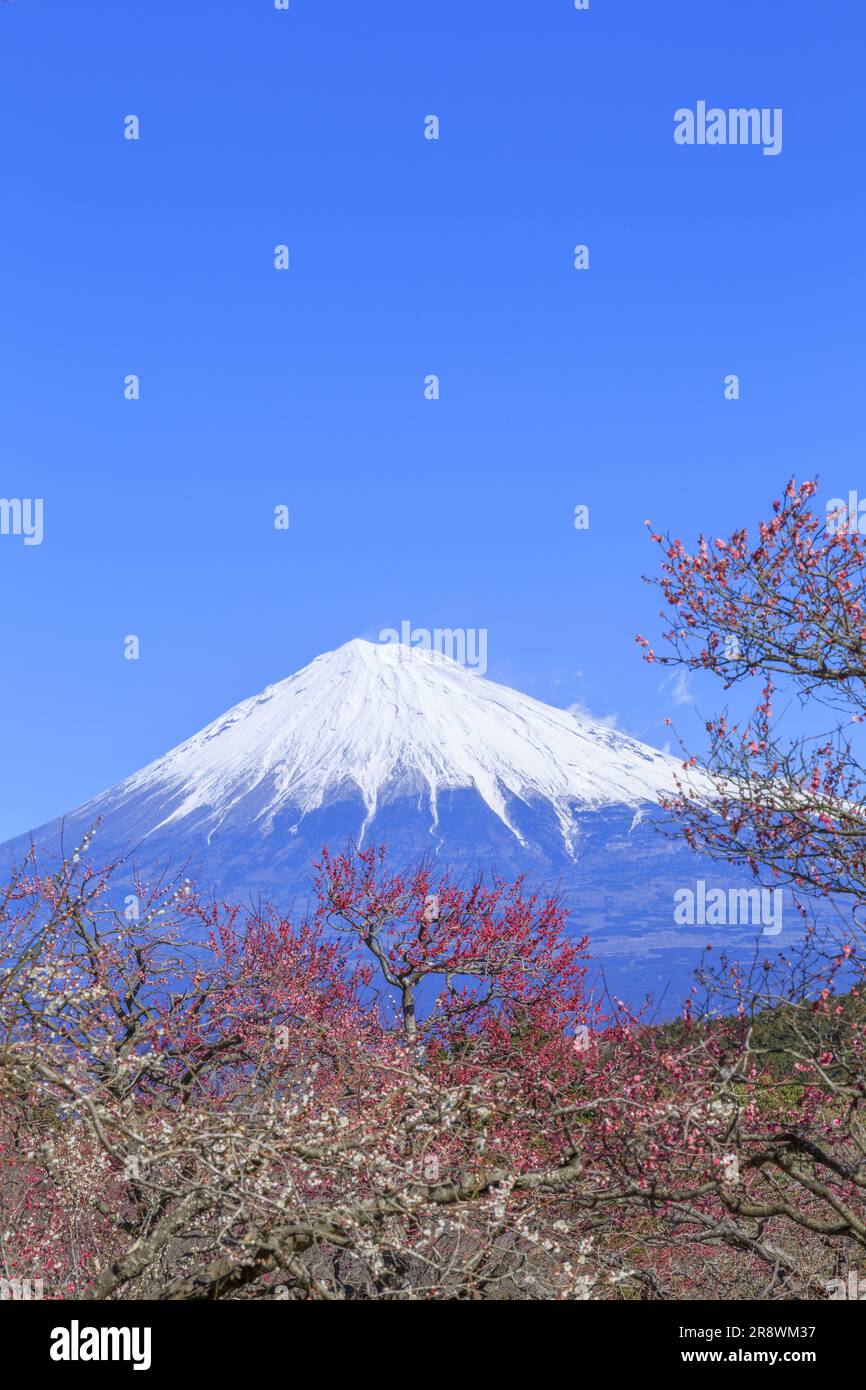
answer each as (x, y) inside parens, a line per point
(788, 609)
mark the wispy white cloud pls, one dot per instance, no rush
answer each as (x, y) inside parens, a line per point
(580, 711)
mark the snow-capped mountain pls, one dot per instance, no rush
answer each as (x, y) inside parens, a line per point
(383, 743)
(378, 722)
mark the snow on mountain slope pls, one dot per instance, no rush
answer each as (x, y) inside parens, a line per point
(431, 761)
(386, 721)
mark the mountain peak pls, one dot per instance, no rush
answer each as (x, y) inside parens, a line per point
(382, 721)
(390, 653)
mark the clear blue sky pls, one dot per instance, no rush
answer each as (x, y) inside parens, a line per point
(408, 257)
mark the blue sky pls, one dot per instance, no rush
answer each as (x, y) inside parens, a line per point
(408, 257)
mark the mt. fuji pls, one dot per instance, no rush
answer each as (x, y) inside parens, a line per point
(377, 722)
(395, 745)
